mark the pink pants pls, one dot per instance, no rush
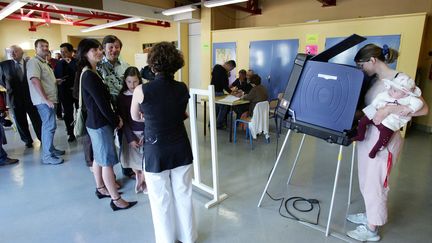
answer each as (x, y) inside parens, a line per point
(372, 174)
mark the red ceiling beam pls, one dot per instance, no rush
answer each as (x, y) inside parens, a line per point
(95, 15)
(251, 7)
(33, 25)
(327, 3)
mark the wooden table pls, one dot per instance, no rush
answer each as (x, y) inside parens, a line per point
(231, 104)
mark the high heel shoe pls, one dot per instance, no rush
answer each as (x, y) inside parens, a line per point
(115, 207)
(100, 195)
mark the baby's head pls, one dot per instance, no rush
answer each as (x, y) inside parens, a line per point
(402, 86)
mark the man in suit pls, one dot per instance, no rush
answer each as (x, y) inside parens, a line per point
(65, 74)
(13, 77)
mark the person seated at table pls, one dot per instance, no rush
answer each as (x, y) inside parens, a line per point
(249, 74)
(257, 94)
(241, 83)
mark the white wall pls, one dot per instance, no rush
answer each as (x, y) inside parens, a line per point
(195, 55)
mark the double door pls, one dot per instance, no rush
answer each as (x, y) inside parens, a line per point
(273, 61)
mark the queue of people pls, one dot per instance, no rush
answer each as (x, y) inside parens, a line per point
(148, 119)
(110, 90)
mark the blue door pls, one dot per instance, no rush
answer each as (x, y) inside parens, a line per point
(273, 62)
(260, 59)
(284, 53)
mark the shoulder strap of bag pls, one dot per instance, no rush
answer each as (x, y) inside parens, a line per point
(80, 87)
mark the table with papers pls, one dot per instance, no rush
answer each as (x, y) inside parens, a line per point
(229, 100)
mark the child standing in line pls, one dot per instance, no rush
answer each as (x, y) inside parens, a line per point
(132, 138)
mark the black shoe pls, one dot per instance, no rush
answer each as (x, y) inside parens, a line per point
(115, 207)
(100, 195)
(9, 161)
(71, 138)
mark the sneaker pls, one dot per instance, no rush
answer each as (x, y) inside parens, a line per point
(52, 161)
(58, 152)
(362, 233)
(358, 218)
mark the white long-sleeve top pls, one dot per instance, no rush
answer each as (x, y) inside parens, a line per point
(393, 121)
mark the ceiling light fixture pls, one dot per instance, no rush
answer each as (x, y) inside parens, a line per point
(217, 3)
(179, 10)
(112, 24)
(10, 8)
(48, 21)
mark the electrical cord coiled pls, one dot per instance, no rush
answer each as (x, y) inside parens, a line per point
(311, 202)
(295, 200)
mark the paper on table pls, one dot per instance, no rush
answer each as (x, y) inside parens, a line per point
(230, 98)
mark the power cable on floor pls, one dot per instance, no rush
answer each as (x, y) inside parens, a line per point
(295, 200)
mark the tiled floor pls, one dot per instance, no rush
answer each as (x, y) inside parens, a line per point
(41, 203)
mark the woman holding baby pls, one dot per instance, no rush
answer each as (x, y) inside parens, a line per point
(373, 172)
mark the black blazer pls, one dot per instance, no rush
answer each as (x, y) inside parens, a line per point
(18, 94)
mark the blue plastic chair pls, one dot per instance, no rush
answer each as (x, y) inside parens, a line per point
(247, 123)
(248, 135)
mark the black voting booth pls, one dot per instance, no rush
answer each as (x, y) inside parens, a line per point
(320, 100)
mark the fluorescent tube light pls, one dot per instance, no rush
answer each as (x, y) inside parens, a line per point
(51, 21)
(112, 24)
(217, 3)
(179, 10)
(10, 8)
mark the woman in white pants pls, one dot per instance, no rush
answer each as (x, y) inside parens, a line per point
(168, 155)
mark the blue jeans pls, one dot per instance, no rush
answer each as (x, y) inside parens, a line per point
(48, 117)
(3, 154)
(221, 112)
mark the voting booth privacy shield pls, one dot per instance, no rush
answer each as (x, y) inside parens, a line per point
(321, 97)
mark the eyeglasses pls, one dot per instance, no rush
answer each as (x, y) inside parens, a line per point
(360, 64)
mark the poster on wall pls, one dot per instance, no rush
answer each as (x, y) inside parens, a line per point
(311, 49)
(312, 39)
(347, 57)
(7, 54)
(223, 52)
